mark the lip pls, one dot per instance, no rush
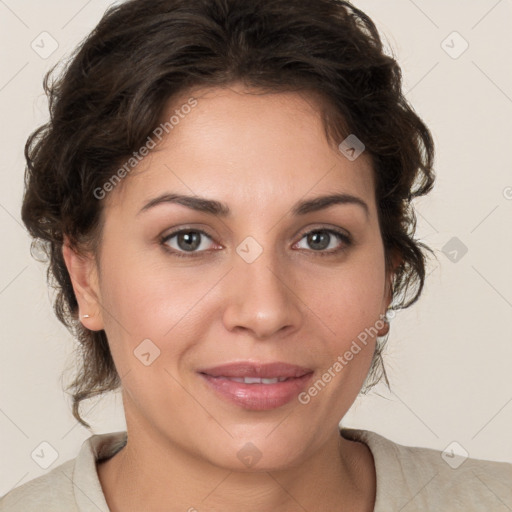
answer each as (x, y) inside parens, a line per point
(257, 397)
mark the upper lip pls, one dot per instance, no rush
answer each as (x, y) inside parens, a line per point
(261, 370)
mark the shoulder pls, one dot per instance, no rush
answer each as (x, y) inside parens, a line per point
(73, 486)
(52, 491)
(414, 478)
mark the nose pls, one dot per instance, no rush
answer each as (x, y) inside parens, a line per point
(260, 298)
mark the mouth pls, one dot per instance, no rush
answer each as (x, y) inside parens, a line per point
(254, 380)
(257, 386)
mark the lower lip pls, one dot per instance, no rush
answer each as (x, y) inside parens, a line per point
(258, 397)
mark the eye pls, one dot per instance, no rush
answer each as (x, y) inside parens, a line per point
(191, 242)
(321, 239)
(186, 241)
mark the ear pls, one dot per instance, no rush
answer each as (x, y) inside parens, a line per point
(84, 278)
(396, 261)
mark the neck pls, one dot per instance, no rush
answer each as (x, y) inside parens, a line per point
(146, 474)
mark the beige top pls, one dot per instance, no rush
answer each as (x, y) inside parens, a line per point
(408, 479)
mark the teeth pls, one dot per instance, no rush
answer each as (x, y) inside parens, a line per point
(257, 380)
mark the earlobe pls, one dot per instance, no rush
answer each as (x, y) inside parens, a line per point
(83, 274)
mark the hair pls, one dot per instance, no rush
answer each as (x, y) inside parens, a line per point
(116, 85)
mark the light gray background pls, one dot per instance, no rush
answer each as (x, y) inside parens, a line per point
(448, 356)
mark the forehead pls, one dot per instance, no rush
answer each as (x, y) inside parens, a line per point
(245, 147)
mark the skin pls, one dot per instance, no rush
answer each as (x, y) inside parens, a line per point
(259, 154)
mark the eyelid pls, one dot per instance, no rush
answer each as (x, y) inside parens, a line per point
(325, 227)
(181, 229)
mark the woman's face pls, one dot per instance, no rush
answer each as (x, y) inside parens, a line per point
(265, 281)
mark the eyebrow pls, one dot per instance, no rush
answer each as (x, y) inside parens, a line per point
(219, 209)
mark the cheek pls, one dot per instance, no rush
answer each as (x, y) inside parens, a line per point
(351, 308)
(154, 321)
(146, 298)
(349, 299)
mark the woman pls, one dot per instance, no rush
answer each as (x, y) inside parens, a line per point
(224, 192)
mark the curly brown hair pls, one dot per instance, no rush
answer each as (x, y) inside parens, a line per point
(116, 85)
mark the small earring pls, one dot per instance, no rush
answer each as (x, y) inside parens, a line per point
(86, 316)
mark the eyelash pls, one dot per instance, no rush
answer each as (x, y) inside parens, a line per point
(181, 254)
